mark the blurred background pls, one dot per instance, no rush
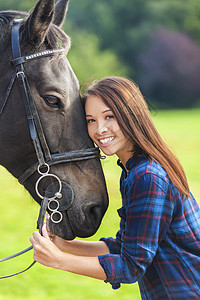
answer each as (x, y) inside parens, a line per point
(157, 44)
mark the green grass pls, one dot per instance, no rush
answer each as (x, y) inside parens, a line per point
(180, 130)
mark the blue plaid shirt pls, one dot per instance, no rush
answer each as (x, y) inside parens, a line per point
(158, 243)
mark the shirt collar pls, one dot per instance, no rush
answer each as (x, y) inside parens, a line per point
(130, 162)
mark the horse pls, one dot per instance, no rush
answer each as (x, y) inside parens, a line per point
(45, 144)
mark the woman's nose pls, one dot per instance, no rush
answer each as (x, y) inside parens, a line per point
(102, 128)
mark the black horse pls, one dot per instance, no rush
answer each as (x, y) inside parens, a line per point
(55, 90)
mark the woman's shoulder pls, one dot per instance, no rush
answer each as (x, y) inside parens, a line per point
(140, 166)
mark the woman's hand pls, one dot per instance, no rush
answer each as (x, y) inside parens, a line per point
(45, 251)
(49, 255)
(58, 241)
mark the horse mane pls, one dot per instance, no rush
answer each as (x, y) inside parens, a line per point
(6, 17)
(55, 37)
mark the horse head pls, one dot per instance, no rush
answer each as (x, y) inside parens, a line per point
(55, 90)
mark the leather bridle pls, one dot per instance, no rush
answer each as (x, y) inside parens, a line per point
(44, 156)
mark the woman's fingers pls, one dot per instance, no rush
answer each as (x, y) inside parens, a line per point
(45, 232)
(47, 217)
(47, 221)
(34, 238)
(31, 240)
(44, 251)
(36, 235)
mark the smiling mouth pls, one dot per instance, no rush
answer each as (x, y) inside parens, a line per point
(106, 141)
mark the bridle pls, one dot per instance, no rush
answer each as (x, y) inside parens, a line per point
(44, 156)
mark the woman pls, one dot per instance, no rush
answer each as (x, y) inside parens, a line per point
(158, 243)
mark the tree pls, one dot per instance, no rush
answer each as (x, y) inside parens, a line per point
(170, 70)
(126, 27)
(17, 5)
(88, 62)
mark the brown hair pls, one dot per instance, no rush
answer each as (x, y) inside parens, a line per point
(127, 103)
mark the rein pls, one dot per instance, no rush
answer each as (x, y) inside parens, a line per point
(40, 223)
(44, 156)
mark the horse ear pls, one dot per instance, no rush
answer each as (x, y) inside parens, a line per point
(61, 8)
(40, 20)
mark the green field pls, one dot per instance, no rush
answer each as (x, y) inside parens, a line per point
(180, 129)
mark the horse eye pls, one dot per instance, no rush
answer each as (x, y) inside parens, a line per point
(52, 101)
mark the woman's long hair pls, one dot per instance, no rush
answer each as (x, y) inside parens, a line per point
(127, 103)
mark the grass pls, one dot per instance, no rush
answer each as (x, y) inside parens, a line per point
(180, 130)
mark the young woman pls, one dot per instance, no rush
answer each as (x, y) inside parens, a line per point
(158, 243)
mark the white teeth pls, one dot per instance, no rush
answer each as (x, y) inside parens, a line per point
(106, 140)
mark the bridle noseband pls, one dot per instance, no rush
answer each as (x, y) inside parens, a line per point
(44, 156)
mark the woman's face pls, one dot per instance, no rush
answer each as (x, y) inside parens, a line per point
(105, 131)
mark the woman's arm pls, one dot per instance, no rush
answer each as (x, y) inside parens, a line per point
(77, 247)
(48, 254)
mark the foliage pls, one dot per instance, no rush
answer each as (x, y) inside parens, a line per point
(17, 5)
(88, 62)
(170, 69)
(113, 34)
(126, 27)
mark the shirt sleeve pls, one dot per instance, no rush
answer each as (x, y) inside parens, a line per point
(114, 245)
(149, 212)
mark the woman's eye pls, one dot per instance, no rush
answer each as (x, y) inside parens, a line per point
(109, 117)
(52, 101)
(89, 121)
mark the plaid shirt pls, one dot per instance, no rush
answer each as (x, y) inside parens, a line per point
(158, 243)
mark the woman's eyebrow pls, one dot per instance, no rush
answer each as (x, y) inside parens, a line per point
(106, 111)
(102, 113)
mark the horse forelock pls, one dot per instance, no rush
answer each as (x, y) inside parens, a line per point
(6, 18)
(55, 37)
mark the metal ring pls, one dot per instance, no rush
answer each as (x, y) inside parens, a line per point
(55, 201)
(47, 175)
(56, 221)
(44, 165)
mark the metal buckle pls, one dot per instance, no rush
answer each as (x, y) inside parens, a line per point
(19, 73)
